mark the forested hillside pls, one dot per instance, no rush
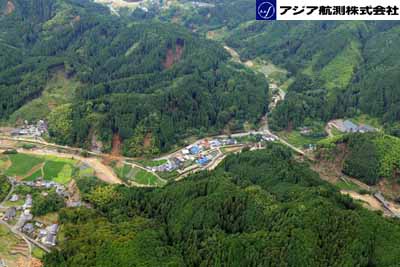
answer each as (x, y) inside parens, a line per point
(258, 209)
(149, 84)
(341, 68)
(213, 14)
(369, 157)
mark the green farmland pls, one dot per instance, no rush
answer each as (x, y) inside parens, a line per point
(131, 174)
(30, 167)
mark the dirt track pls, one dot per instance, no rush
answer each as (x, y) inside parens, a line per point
(370, 201)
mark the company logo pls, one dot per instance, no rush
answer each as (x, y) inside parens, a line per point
(266, 10)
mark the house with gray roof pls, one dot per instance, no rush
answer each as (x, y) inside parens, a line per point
(14, 198)
(28, 228)
(28, 202)
(10, 214)
(350, 127)
(49, 239)
(366, 128)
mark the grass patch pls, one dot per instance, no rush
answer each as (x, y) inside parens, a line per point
(365, 119)
(20, 202)
(169, 175)
(51, 169)
(64, 160)
(285, 85)
(128, 174)
(3, 163)
(218, 34)
(58, 171)
(38, 253)
(49, 218)
(65, 175)
(86, 172)
(146, 178)
(34, 175)
(21, 164)
(347, 186)
(340, 70)
(59, 90)
(298, 140)
(123, 172)
(336, 132)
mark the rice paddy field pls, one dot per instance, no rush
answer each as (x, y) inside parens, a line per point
(30, 167)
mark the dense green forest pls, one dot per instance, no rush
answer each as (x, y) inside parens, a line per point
(258, 209)
(341, 68)
(150, 83)
(218, 14)
(5, 187)
(368, 157)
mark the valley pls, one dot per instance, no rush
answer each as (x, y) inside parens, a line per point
(185, 133)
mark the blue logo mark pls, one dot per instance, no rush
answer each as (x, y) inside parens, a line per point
(266, 10)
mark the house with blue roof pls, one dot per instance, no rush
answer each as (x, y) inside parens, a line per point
(203, 161)
(194, 150)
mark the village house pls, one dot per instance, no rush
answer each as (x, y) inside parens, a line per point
(10, 214)
(194, 150)
(350, 127)
(28, 202)
(41, 183)
(305, 130)
(28, 228)
(34, 130)
(215, 143)
(203, 161)
(14, 198)
(50, 235)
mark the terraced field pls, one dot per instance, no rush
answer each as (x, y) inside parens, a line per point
(12, 249)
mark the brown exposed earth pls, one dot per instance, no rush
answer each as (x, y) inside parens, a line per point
(116, 145)
(21, 262)
(368, 201)
(174, 56)
(147, 140)
(76, 19)
(10, 8)
(73, 190)
(390, 188)
(330, 169)
(36, 263)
